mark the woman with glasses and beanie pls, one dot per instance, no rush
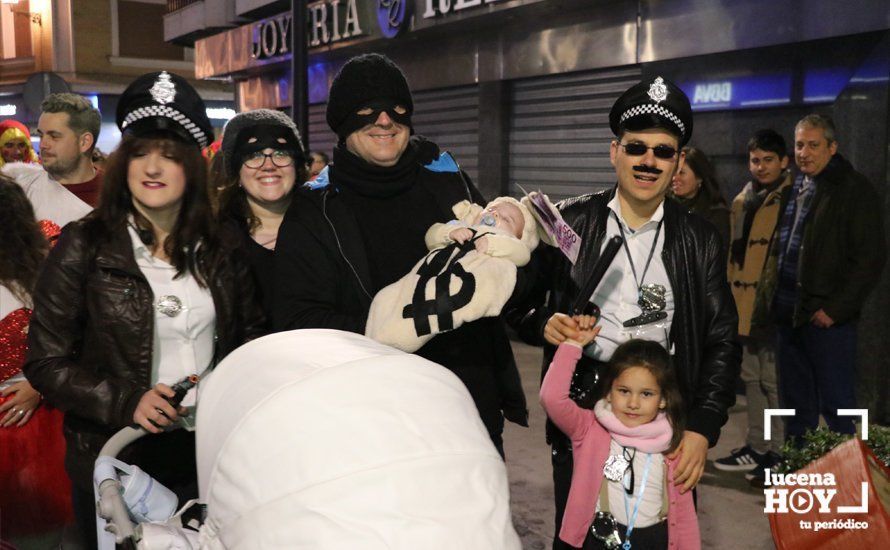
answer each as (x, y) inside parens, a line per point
(138, 295)
(264, 163)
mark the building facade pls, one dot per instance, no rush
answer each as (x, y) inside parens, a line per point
(94, 47)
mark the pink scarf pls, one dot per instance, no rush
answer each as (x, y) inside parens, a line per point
(652, 437)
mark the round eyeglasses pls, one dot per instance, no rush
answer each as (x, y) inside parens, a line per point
(279, 158)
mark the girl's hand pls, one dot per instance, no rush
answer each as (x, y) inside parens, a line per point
(461, 235)
(154, 412)
(587, 329)
(18, 409)
(559, 328)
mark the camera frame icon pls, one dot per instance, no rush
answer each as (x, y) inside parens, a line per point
(768, 414)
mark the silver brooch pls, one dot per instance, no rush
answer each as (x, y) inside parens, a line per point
(169, 305)
(163, 91)
(658, 92)
(615, 467)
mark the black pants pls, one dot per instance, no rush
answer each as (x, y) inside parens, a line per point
(561, 459)
(654, 537)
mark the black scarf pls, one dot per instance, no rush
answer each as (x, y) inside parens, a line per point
(754, 198)
(370, 180)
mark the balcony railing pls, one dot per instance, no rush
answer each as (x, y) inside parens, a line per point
(173, 5)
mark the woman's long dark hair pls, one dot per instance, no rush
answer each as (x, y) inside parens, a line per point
(710, 184)
(23, 245)
(195, 223)
(233, 203)
(654, 358)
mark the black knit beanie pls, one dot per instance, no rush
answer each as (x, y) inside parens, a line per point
(235, 135)
(361, 80)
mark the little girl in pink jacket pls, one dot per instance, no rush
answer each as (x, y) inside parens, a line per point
(622, 441)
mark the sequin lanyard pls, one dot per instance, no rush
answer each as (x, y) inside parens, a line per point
(630, 260)
(632, 519)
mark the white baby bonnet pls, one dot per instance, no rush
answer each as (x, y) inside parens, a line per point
(322, 439)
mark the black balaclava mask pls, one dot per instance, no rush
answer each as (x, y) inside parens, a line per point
(267, 136)
(355, 121)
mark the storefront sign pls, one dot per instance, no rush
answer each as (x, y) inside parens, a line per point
(392, 16)
(739, 93)
(329, 21)
(444, 7)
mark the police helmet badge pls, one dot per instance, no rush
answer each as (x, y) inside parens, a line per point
(658, 92)
(163, 91)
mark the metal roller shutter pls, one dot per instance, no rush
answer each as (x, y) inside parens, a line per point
(450, 118)
(321, 138)
(559, 131)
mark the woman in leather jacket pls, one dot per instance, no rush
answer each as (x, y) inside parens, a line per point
(138, 295)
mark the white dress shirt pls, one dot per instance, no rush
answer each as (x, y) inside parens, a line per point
(618, 292)
(182, 344)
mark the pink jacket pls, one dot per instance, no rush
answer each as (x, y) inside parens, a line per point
(590, 444)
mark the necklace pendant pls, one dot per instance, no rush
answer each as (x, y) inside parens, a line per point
(615, 467)
(169, 305)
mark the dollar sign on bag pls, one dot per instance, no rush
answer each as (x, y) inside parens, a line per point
(439, 265)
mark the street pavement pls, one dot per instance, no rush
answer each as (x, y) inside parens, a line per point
(730, 511)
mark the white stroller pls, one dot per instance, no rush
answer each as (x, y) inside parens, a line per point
(322, 439)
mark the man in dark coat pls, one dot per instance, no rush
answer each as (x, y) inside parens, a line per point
(667, 283)
(361, 227)
(831, 252)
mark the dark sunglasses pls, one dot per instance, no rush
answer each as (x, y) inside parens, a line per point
(638, 150)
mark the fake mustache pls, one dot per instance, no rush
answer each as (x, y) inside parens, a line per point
(648, 169)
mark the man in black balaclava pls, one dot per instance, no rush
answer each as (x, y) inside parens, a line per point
(362, 224)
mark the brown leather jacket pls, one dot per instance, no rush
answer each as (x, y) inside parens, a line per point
(92, 330)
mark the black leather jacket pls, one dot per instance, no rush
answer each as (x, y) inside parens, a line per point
(703, 331)
(323, 281)
(91, 334)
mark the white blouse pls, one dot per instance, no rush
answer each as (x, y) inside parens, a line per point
(183, 341)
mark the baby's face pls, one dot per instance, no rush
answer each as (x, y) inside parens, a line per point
(507, 217)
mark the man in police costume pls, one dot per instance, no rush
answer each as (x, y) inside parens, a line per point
(667, 283)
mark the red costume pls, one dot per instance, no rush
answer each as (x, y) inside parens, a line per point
(34, 488)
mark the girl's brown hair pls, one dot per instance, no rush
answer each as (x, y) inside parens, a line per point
(195, 223)
(654, 358)
(23, 246)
